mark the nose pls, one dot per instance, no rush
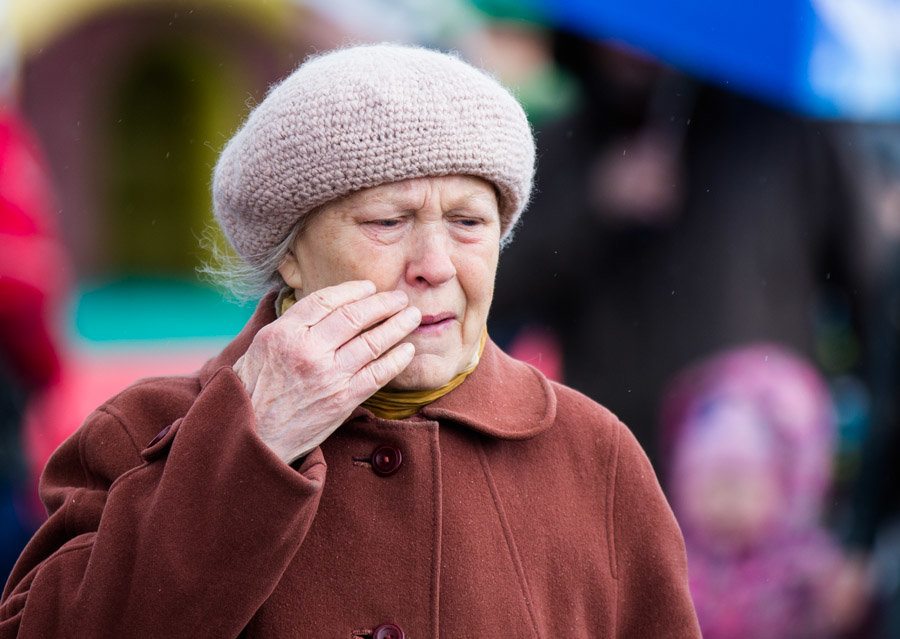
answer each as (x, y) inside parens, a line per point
(430, 262)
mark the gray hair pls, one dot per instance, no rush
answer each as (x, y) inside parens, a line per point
(246, 280)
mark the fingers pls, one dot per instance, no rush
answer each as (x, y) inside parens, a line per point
(349, 320)
(373, 343)
(378, 373)
(357, 330)
(336, 314)
(313, 308)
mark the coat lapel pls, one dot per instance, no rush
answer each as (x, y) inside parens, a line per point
(503, 397)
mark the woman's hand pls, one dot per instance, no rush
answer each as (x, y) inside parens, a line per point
(308, 370)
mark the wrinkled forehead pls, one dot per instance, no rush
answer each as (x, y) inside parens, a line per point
(447, 192)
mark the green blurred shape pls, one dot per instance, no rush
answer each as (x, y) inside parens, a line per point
(142, 309)
(530, 10)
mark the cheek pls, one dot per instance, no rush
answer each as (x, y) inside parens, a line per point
(477, 280)
(384, 268)
(354, 263)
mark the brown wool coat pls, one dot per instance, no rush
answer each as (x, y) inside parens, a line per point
(520, 509)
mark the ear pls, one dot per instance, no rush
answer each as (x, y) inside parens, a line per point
(290, 271)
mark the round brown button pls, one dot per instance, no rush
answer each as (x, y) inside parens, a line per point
(388, 631)
(159, 436)
(386, 460)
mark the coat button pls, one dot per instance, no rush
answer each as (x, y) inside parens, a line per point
(159, 436)
(388, 631)
(386, 461)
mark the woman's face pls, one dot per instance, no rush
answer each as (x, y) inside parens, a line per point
(437, 239)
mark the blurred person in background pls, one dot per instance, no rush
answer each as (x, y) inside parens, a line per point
(679, 219)
(750, 435)
(362, 460)
(871, 523)
(33, 277)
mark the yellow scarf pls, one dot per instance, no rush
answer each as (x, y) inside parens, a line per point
(397, 404)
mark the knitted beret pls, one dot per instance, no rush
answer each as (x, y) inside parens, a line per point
(364, 116)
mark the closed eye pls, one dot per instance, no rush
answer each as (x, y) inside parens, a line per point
(468, 222)
(385, 224)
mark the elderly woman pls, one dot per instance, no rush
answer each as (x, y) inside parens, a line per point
(361, 461)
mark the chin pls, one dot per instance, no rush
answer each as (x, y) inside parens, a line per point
(425, 372)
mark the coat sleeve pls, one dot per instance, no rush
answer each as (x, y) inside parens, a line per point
(653, 598)
(186, 537)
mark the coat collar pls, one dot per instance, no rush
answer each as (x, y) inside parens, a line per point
(502, 397)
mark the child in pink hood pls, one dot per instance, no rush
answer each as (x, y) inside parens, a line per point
(748, 438)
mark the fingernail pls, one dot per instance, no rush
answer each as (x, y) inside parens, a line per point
(411, 316)
(401, 297)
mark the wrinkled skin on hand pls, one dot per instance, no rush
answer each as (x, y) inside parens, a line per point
(309, 369)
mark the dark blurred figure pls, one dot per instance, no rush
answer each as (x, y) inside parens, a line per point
(671, 219)
(873, 525)
(750, 435)
(32, 276)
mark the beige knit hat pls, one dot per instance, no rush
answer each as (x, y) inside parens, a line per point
(364, 116)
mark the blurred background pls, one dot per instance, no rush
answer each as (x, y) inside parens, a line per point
(717, 182)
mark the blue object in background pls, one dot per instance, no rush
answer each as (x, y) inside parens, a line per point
(827, 58)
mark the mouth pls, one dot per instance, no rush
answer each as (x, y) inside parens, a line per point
(431, 323)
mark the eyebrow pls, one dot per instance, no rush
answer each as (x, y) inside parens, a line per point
(467, 200)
